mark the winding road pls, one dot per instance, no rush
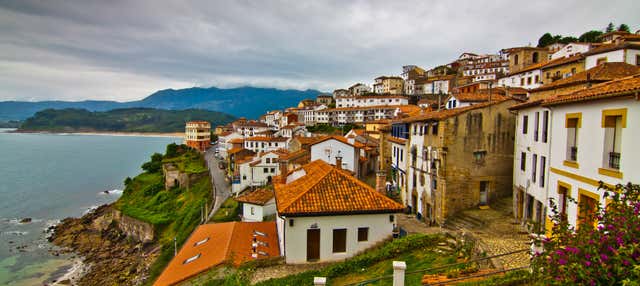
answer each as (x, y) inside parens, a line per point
(221, 188)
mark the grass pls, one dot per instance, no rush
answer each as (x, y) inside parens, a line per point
(174, 213)
(229, 211)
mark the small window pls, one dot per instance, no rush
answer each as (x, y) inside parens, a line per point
(201, 241)
(265, 170)
(434, 128)
(543, 163)
(253, 211)
(191, 259)
(273, 170)
(525, 124)
(363, 234)
(523, 161)
(339, 240)
(391, 218)
(637, 60)
(534, 167)
(290, 222)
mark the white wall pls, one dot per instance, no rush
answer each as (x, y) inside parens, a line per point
(259, 212)
(328, 149)
(591, 147)
(516, 80)
(613, 56)
(570, 50)
(380, 228)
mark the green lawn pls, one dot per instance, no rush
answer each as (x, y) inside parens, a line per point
(229, 211)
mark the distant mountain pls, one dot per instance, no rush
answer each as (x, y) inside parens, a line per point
(249, 102)
(122, 120)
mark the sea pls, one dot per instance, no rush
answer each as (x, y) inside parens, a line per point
(47, 177)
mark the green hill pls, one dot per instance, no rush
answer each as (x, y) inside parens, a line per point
(120, 120)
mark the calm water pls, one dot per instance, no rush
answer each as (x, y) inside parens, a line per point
(50, 177)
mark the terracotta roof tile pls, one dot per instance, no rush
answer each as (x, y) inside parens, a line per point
(526, 104)
(257, 197)
(628, 86)
(444, 114)
(236, 141)
(599, 73)
(267, 139)
(235, 150)
(477, 97)
(326, 190)
(214, 244)
(612, 47)
(396, 140)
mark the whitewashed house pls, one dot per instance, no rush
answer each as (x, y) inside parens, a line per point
(224, 142)
(529, 77)
(257, 205)
(319, 218)
(570, 49)
(627, 52)
(266, 144)
(331, 147)
(256, 171)
(593, 138)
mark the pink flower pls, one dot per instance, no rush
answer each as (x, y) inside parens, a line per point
(604, 257)
(587, 263)
(562, 261)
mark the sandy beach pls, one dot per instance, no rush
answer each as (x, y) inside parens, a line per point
(110, 133)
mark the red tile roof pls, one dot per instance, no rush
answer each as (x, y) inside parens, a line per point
(612, 47)
(257, 197)
(628, 86)
(600, 73)
(326, 190)
(267, 139)
(214, 244)
(446, 113)
(339, 138)
(526, 104)
(477, 97)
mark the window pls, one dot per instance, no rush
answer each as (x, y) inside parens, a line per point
(545, 125)
(534, 167)
(543, 165)
(572, 124)
(537, 79)
(363, 234)
(586, 208)
(613, 121)
(523, 161)
(522, 81)
(191, 259)
(563, 194)
(534, 58)
(525, 124)
(573, 71)
(273, 170)
(434, 128)
(528, 80)
(637, 60)
(600, 61)
(339, 240)
(268, 160)
(548, 75)
(265, 170)
(536, 122)
(253, 211)
(201, 241)
(515, 59)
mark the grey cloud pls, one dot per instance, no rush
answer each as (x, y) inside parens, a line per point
(124, 50)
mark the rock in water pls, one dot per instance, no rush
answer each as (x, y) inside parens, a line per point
(25, 220)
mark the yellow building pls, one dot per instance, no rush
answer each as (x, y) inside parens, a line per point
(389, 84)
(562, 68)
(522, 57)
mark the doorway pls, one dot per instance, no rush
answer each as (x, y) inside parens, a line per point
(484, 192)
(313, 244)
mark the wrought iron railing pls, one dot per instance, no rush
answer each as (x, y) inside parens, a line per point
(614, 160)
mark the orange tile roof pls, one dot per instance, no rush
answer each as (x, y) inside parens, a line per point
(612, 47)
(326, 190)
(410, 108)
(397, 140)
(220, 242)
(234, 150)
(599, 73)
(564, 60)
(236, 140)
(446, 113)
(628, 86)
(257, 197)
(526, 104)
(477, 97)
(339, 138)
(293, 155)
(225, 133)
(307, 140)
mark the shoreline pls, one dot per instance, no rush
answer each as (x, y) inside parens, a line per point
(105, 133)
(73, 274)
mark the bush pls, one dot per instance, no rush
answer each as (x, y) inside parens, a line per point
(608, 254)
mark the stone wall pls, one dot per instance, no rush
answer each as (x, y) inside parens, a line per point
(174, 178)
(137, 229)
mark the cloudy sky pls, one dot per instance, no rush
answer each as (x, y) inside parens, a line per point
(125, 50)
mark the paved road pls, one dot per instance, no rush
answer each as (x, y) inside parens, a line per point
(221, 188)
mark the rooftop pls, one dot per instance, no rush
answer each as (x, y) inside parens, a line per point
(213, 244)
(628, 86)
(599, 73)
(257, 197)
(326, 190)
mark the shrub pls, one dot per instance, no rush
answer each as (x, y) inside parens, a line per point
(605, 254)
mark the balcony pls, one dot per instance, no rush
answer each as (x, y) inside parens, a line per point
(614, 160)
(573, 155)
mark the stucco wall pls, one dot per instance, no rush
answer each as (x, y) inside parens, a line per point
(380, 228)
(327, 151)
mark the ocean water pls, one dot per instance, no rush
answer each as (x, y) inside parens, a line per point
(48, 177)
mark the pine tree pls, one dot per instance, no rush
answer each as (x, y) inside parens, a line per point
(610, 28)
(624, 28)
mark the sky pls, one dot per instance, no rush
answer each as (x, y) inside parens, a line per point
(126, 50)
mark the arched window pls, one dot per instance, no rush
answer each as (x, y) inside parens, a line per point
(515, 59)
(535, 57)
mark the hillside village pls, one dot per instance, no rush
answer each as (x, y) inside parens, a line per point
(336, 175)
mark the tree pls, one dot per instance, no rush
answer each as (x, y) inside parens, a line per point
(568, 39)
(624, 28)
(604, 254)
(172, 150)
(545, 40)
(154, 165)
(610, 27)
(592, 36)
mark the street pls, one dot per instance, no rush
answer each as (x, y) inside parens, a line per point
(221, 189)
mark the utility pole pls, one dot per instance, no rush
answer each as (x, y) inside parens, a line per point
(175, 246)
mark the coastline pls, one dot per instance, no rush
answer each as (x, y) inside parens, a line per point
(105, 133)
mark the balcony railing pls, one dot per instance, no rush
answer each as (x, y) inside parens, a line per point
(573, 156)
(614, 160)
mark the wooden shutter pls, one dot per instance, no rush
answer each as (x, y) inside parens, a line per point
(363, 234)
(339, 240)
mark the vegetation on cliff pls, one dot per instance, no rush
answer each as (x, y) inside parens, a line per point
(175, 212)
(120, 120)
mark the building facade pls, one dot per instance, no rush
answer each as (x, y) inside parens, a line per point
(198, 135)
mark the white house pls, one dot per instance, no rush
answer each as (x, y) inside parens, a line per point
(571, 49)
(627, 52)
(531, 162)
(325, 214)
(371, 100)
(265, 144)
(331, 147)
(399, 157)
(529, 77)
(593, 139)
(359, 89)
(224, 142)
(256, 171)
(257, 204)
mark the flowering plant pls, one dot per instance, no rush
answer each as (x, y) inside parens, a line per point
(606, 252)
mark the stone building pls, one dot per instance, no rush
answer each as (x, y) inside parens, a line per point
(462, 160)
(198, 135)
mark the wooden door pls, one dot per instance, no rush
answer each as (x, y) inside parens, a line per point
(313, 244)
(483, 192)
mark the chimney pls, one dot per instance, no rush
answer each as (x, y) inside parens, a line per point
(339, 161)
(283, 171)
(381, 180)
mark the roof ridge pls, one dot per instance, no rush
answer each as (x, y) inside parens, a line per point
(228, 242)
(369, 188)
